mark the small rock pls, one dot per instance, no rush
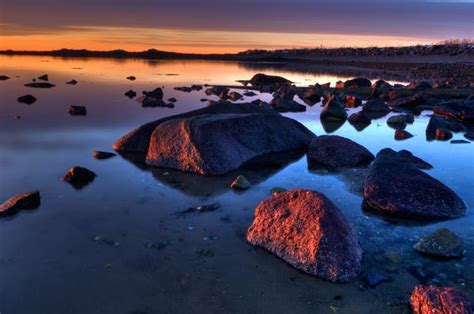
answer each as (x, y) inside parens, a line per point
(27, 99)
(373, 280)
(72, 82)
(77, 110)
(443, 134)
(23, 201)
(460, 142)
(172, 99)
(4, 78)
(441, 243)
(79, 176)
(43, 77)
(102, 155)
(40, 85)
(402, 135)
(234, 96)
(397, 122)
(131, 94)
(131, 78)
(240, 183)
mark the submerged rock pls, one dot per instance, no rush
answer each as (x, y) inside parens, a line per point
(441, 243)
(373, 280)
(23, 201)
(79, 176)
(27, 99)
(432, 299)
(240, 183)
(77, 110)
(217, 144)
(39, 85)
(138, 140)
(305, 229)
(333, 152)
(397, 187)
(102, 155)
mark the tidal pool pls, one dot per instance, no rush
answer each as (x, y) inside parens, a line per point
(117, 245)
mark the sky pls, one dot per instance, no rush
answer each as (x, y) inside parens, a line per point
(213, 26)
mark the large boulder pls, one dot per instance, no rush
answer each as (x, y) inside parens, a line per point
(358, 83)
(333, 110)
(434, 124)
(137, 140)
(397, 187)
(332, 151)
(441, 243)
(217, 144)
(23, 201)
(456, 109)
(433, 300)
(260, 79)
(305, 229)
(375, 108)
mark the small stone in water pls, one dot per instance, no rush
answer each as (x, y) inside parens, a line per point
(441, 243)
(373, 280)
(240, 183)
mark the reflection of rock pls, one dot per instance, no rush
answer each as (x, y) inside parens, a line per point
(23, 201)
(331, 126)
(443, 134)
(26, 99)
(359, 120)
(376, 106)
(305, 229)
(441, 243)
(40, 85)
(79, 177)
(333, 152)
(397, 187)
(217, 144)
(283, 101)
(333, 110)
(432, 299)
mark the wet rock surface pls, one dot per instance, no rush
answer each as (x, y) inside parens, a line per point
(433, 299)
(23, 201)
(441, 243)
(305, 229)
(397, 187)
(333, 152)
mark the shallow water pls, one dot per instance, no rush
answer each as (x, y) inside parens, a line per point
(117, 246)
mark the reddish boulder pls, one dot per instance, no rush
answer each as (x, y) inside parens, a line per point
(27, 200)
(305, 229)
(437, 300)
(401, 135)
(79, 177)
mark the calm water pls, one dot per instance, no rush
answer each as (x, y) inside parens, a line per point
(117, 246)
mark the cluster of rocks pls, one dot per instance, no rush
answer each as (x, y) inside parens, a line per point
(153, 99)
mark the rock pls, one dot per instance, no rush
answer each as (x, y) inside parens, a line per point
(381, 84)
(434, 124)
(396, 187)
(40, 85)
(79, 176)
(153, 98)
(260, 79)
(4, 77)
(250, 94)
(339, 84)
(456, 109)
(460, 142)
(432, 299)
(102, 155)
(43, 77)
(234, 96)
(217, 144)
(240, 183)
(284, 104)
(23, 201)
(219, 91)
(352, 101)
(305, 229)
(333, 110)
(359, 120)
(333, 152)
(409, 102)
(375, 106)
(443, 134)
(137, 141)
(172, 99)
(77, 110)
(277, 190)
(418, 162)
(72, 82)
(27, 99)
(131, 78)
(441, 243)
(184, 89)
(311, 96)
(401, 135)
(131, 94)
(357, 83)
(397, 122)
(373, 280)
(419, 85)
(469, 135)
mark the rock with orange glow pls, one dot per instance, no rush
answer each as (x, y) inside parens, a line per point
(137, 141)
(432, 299)
(305, 229)
(217, 144)
(27, 200)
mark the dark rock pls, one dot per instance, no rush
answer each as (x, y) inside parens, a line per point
(79, 177)
(410, 102)
(359, 120)
(418, 162)
(240, 183)
(441, 243)
(373, 280)
(305, 229)
(4, 77)
(201, 209)
(77, 110)
(172, 99)
(311, 96)
(381, 84)
(456, 126)
(27, 99)
(250, 94)
(397, 187)
(357, 83)
(333, 110)
(285, 103)
(102, 155)
(260, 79)
(72, 82)
(217, 144)
(443, 134)
(333, 152)
(434, 124)
(419, 85)
(432, 299)
(137, 141)
(131, 78)
(352, 101)
(153, 98)
(23, 201)
(469, 135)
(456, 109)
(40, 85)
(234, 96)
(375, 106)
(339, 84)
(219, 91)
(397, 122)
(184, 89)
(43, 77)
(460, 142)
(402, 135)
(131, 94)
